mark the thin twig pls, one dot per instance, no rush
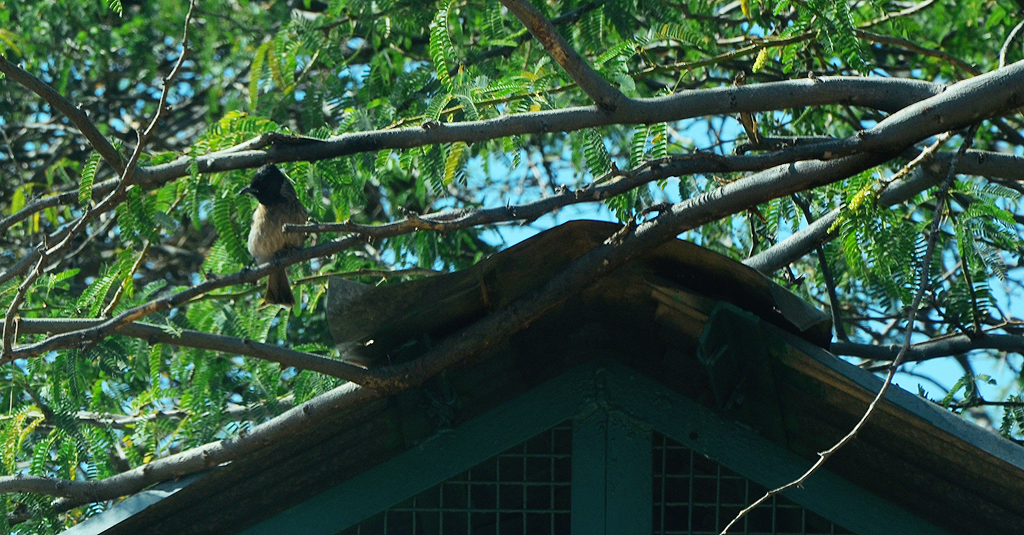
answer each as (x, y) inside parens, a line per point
(924, 270)
(215, 342)
(897, 14)
(19, 298)
(826, 275)
(913, 47)
(1006, 44)
(129, 173)
(884, 94)
(125, 281)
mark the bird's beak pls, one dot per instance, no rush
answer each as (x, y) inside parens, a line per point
(247, 189)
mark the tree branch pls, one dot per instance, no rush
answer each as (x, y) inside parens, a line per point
(886, 94)
(605, 96)
(128, 175)
(632, 242)
(105, 328)
(924, 275)
(1009, 40)
(897, 14)
(804, 241)
(942, 347)
(914, 47)
(71, 111)
(897, 131)
(826, 276)
(225, 344)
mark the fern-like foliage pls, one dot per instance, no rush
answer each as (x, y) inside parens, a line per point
(88, 177)
(597, 158)
(362, 65)
(442, 51)
(883, 248)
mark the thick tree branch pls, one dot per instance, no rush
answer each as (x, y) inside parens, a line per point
(729, 199)
(886, 94)
(71, 111)
(604, 95)
(974, 162)
(630, 243)
(898, 131)
(942, 347)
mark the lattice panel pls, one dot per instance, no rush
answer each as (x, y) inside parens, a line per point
(694, 495)
(524, 491)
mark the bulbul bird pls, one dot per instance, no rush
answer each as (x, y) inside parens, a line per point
(278, 206)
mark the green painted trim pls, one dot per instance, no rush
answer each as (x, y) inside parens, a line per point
(612, 481)
(757, 459)
(436, 460)
(606, 399)
(630, 478)
(589, 477)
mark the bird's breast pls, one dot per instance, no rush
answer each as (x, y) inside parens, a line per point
(267, 237)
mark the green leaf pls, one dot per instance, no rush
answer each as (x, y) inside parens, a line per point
(256, 73)
(637, 147)
(441, 49)
(658, 134)
(437, 104)
(598, 160)
(88, 176)
(229, 230)
(453, 161)
(18, 198)
(11, 40)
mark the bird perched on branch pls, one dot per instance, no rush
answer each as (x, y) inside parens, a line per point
(278, 206)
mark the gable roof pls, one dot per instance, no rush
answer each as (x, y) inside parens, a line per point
(704, 327)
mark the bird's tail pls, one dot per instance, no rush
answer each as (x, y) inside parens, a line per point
(279, 290)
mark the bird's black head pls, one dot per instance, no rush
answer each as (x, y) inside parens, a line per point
(266, 185)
